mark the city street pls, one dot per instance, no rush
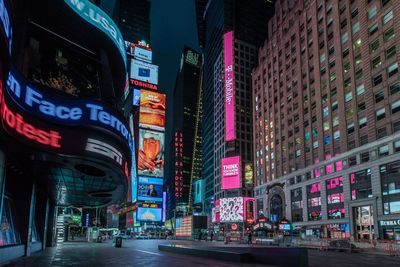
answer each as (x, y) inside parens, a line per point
(146, 253)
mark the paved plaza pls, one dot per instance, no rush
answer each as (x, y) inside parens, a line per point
(145, 253)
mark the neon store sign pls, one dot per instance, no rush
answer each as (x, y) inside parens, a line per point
(16, 121)
(6, 24)
(65, 111)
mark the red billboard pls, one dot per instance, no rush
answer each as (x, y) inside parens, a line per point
(230, 172)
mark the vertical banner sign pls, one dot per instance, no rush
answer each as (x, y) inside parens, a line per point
(229, 87)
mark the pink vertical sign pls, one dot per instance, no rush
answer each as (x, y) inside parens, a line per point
(229, 87)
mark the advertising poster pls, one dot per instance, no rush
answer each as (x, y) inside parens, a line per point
(142, 53)
(150, 189)
(144, 72)
(249, 209)
(136, 97)
(229, 82)
(152, 110)
(149, 214)
(151, 153)
(230, 172)
(248, 174)
(231, 209)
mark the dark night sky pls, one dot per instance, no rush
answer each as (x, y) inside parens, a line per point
(173, 25)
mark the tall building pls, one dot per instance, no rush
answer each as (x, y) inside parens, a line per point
(132, 17)
(186, 147)
(326, 107)
(247, 20)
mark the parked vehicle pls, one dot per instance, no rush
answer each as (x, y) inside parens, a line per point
(142, 236)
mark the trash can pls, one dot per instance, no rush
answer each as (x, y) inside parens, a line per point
(118, 242)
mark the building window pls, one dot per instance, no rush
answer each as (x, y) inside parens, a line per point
(380, 114)
(350, 128)
(387, 17)
(388, 35)
(374, 46)
(383, 151)
(9, 234)
(355, 28)
(345, 37)
(373, 29)
(396, 126)
(297, 204)
(376, 62)
(377, 79)
(395, 107)
(364, 157)
(390, 187)
(360, 89)
(352, 161)
(360, 184)
(335, 198)
(396, 146)
(372, 12)
(379, 96)
(393, 69)
(348, 96)
(362, 122)
(390, 52)
(314, 202)
(364, 140)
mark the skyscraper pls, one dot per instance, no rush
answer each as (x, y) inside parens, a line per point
(326, 108)
(186, 146)
(247, 20)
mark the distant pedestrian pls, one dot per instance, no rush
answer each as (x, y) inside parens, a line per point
(250, 237)
(211, 236)
(205, 236)
(200, 235)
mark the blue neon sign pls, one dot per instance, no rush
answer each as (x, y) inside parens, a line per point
(6, 24)
(101, 20)
(65, 110)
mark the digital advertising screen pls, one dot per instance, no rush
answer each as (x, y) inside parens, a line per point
(229, 83)
(149, 214)
(142, 53)
(230, 172)
(249, 209)
(151, 153)
(150, 189)
(152, 110)
(231, 209)
(144, 71)
(136, 97)
(248, 174)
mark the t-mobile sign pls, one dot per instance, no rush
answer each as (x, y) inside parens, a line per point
(230, 168)
(229, 87)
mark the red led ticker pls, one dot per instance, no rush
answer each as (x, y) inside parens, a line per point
(16, 122)
(178, 164)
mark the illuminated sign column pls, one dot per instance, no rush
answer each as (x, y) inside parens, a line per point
(229, 87)
(230, 172)
(178, 179)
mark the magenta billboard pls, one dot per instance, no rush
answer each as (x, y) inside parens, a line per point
(230, 172)
(229, 87)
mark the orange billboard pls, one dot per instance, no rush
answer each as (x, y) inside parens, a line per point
(152, 110)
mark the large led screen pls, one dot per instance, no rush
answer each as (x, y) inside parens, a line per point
(144, 72)
(142, 53)
(229, 83)
(152, 110)
(149, 214)
(150, 189)
(230, 172)
(151, 153)
(231, 209)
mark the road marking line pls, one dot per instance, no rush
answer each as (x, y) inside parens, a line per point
(148, 252)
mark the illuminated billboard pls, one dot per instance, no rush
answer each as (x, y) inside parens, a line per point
(249, 209)
(143, 71)
(152, 110)
(150, 189)
(231, 209)
(142, 53)
(151, 153)
(184, 226)
(199, 191)
(230, 172)
(229, 83)
(248, 174)
(136, 97)
(149, 214)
